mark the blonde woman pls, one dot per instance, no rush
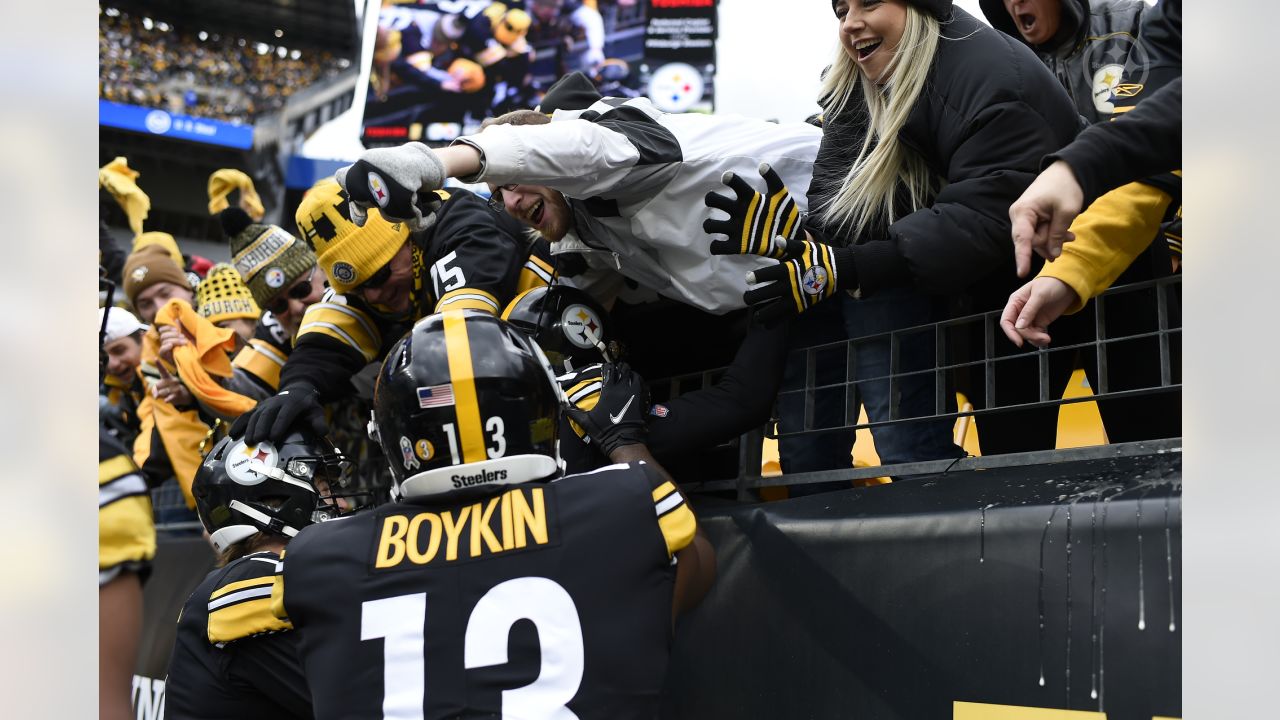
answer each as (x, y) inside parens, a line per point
(933, 125)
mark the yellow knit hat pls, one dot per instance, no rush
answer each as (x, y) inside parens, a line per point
(224, 296)
(162, 239)
(348, 254)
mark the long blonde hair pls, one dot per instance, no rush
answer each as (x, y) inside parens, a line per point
(870, 187)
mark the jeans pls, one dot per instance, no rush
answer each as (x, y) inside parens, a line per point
(910, 441)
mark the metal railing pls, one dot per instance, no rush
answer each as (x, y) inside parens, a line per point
(1158, 326)
(1162, 328)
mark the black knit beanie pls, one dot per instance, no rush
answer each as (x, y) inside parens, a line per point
(940, 9)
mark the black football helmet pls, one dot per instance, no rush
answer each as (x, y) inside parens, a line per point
(465, 399)
(567, 323)
(244, 489)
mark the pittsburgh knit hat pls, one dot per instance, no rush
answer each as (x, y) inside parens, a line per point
(223, 296)
(163, 240)
(148, 265)
(937, 8)
(348, 254)
(120, 323)
(268, 258)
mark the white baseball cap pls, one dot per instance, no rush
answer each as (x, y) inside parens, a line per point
(120, 323)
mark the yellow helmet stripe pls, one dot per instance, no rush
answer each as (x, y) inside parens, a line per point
(462, 376)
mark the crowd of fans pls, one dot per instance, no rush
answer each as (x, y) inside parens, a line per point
(200, 73)
(890, 211)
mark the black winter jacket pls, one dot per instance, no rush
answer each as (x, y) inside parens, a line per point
(987, 116)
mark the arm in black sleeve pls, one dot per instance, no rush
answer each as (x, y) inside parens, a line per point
(1142, 142)
(741, 400)
(270, 664)
(965, 233)
(324, 364)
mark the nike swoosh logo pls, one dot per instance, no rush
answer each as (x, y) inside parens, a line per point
(615, 419)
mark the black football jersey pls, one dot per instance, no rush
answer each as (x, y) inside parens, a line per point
(492, 601)
(232, 657)
(472, 258)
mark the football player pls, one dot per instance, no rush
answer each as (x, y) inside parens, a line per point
(495, 587)
(232, 658)
(456, 252)
(574, 332)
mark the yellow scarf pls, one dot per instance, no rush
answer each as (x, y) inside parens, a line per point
(121, 182)
(223, 181)
(206, 353)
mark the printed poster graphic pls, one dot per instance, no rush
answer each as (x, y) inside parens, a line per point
(441, 68)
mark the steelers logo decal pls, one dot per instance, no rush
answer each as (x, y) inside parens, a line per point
(1105, 82)
(581, 326)
(815, 280)
(274, 277)
(249, 464)
(378, 188)
(139, 273)
(424, 450)
(344, 272)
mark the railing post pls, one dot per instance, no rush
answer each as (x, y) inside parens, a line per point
(988, 364)
(895, 360)
(749, 462)
(1162, 323)
(810, 381)
(1100, 342)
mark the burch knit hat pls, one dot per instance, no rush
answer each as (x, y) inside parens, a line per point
(937, 8)
(267, 257)
(147, 266)
(348, 254)
(223, 296)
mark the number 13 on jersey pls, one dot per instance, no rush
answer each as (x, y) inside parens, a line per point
(401, 621)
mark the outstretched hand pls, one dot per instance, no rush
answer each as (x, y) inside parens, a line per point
(1033, 307)
(756, 220)
(1041, 218)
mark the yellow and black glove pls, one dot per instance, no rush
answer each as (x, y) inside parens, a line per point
(809, 273)
(754, 219)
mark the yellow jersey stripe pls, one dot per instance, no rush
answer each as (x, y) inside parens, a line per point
(126, 532)
(541, 268)
(675, 519)
(241, 585)
(262, 365)
(115, 467)
(344, 324)
(468, 299)
(242, 620)
(462, 377)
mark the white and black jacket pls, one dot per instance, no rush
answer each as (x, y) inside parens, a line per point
(635, 179)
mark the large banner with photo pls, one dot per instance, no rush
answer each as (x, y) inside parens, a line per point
(440, 68)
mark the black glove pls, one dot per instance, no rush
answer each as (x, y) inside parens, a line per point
(811, 273)
(618, 416)
(399, 181)
(274, 417)
(755, 220)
